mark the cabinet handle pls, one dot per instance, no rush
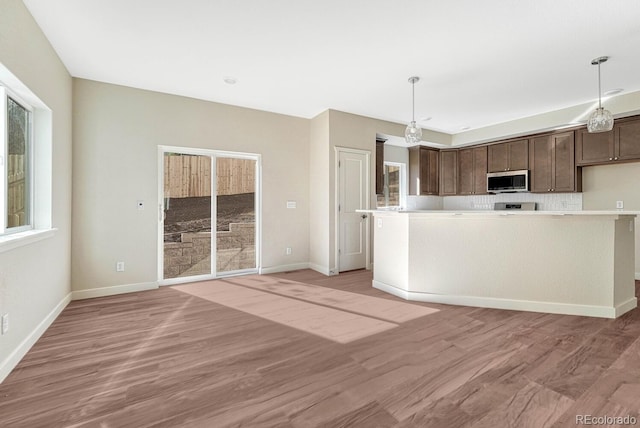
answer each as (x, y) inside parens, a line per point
(610, 158)
(548, 190)
(616, 158)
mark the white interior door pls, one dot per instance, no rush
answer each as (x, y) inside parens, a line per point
(353, 194)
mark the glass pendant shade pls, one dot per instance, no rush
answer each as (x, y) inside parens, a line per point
(600, 120)
(413, 133)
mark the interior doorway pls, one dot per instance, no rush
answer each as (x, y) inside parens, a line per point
(209, 214)
(352, 188)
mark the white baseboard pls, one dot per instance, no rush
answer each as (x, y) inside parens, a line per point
(325, 270)
(14, 357)
(625, 307)
(284, 268)
(510, 304)
(637, 276)
(403, 294)
(110, 291)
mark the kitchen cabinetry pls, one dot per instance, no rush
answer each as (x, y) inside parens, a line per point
(622, 143)
(448, 172)
(553, 166)
(508, 156)
(472, 171)
(379, 166)
(423, 171)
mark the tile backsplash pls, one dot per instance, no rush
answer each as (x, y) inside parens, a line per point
(546, 201)
(425, 202)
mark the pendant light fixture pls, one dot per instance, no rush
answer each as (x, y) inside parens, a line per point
(600, 120)
(413, 133)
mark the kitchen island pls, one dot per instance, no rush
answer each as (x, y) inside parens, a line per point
(573, 262)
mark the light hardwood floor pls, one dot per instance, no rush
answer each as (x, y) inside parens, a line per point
(165, 358)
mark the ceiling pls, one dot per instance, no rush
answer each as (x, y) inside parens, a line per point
(480, 62)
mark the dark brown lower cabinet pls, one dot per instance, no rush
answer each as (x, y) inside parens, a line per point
(553, 166)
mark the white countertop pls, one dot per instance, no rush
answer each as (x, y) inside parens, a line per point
(503, 212)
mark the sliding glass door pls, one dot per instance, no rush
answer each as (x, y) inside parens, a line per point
(208, 214)
(235, 214)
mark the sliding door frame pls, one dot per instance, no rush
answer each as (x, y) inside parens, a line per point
(213, 155)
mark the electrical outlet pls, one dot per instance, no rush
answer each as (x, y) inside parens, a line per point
(288, 251)
(619, 205)
(5, 323)
(120, 267)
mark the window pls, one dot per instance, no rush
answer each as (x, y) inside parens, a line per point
(15, 160)
(394, 193)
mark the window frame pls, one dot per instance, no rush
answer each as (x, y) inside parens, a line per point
(402, 180)
(5, 94)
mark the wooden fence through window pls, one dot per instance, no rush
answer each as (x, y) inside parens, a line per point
(16, 191)
(190, 176)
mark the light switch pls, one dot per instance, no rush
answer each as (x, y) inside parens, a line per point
(379, 222)
(291, 204)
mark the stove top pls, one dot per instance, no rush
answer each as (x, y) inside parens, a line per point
(522, 206)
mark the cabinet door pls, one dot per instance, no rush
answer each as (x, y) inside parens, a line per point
(414, 170)
(564, 167)
(448, 172)
(480, 170)
(429, 179)
(540, 158)
(627, 140)
(424, 172)
(593, 148)
(498, 157)
(379, 167)
(465, 172)
(518, 155)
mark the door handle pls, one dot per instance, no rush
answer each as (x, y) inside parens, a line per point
(364, 216)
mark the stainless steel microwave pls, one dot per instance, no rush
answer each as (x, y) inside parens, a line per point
(508, 181)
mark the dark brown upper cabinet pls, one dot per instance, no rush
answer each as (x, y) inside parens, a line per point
(448, 172)
(621, 144)
(472, 171)
(553, 166)
(379, 166)
(508, 156)
(424, 176)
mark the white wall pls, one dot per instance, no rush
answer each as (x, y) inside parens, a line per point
(319, 193)
(35, 279)
(396, 154)
(116, 133)
(603, 185)
(356, 132)
(626, 104)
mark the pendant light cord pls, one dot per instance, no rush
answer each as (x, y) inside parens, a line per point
(599, 88)
(413, 101)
